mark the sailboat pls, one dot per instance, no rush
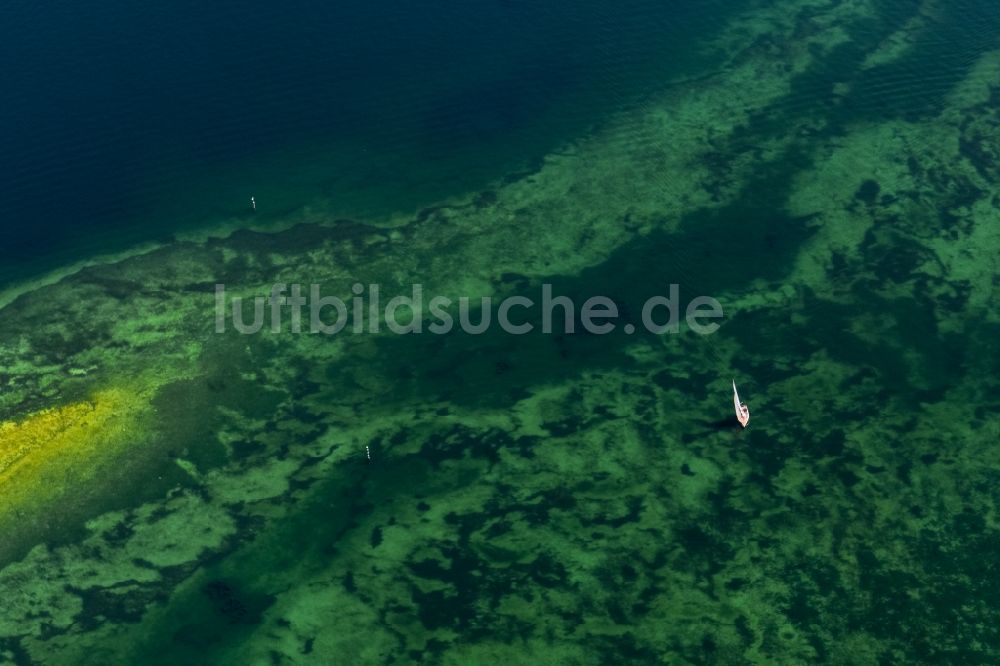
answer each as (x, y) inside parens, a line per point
(742, 411)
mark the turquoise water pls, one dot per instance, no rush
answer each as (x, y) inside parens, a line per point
(828, 172)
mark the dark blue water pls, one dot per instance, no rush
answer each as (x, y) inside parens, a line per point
(126, 121)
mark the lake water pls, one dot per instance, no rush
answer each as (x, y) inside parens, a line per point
(127, 123)
(826, 172)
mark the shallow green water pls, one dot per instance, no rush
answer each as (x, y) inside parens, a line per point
(563, 498)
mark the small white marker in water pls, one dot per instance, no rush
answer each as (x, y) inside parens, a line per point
(253, 203)
(368, 451)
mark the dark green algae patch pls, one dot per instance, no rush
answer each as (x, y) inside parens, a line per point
(571, 499)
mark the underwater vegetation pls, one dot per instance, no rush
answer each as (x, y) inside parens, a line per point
(173, 495)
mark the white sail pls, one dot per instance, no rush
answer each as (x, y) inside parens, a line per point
(742, 411)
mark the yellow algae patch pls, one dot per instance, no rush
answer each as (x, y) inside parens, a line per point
(45, 430)
(49, 460)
